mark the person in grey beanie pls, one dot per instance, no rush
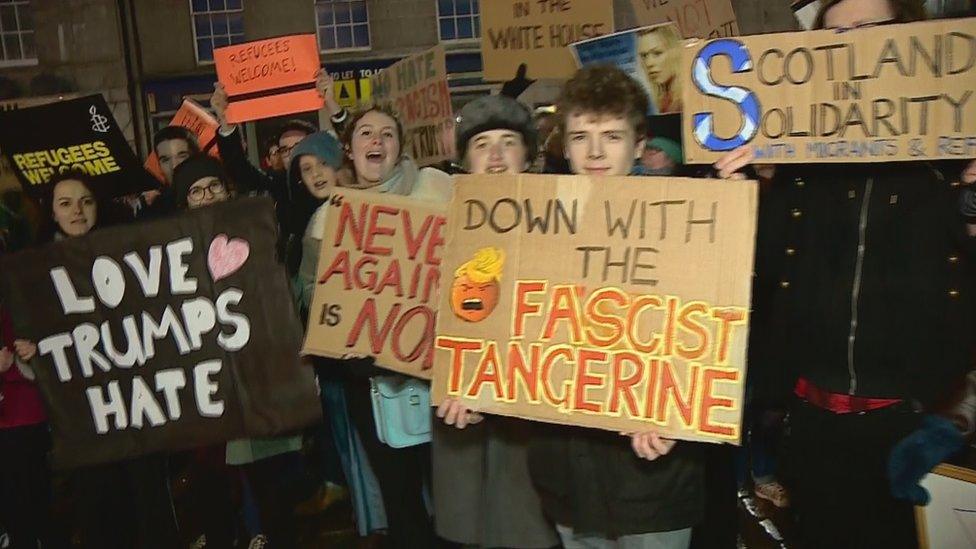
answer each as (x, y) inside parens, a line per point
(495, 134)
(483, 495)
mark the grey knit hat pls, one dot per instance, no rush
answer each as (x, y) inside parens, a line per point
(495, 112)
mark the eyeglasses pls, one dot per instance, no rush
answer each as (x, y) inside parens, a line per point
(864, 25)
(215, 188)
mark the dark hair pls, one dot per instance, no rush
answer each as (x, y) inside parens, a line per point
(605, 90)
(170, 133)
(49, 227)
(351, 126)
(294, 125)
(269, 143)
(906, 11)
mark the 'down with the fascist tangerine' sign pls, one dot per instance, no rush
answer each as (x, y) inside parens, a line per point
(615, 303)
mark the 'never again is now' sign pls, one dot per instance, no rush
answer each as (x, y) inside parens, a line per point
(169, 335)
(376, 289)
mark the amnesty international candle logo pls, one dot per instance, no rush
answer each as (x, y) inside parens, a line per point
(87, 139)
(99, 122)
(617, 303)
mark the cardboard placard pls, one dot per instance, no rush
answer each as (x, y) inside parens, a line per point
(695, 18)
(618, 303)
(949, 520)
(195, 118)
(649, 55)
(538, 34)
(416, 89)
(79, 134)
(271, 77)
(175, 334)
(880, 94)
(377, 281)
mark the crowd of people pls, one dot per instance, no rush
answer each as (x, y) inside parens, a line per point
(862, 330)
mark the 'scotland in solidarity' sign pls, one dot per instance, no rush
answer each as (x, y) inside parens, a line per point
(879, 94)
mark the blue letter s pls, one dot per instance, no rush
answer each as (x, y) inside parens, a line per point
(745, 99)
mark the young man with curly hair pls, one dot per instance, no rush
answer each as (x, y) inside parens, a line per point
(604, 489)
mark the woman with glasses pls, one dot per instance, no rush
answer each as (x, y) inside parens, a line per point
(271, 465)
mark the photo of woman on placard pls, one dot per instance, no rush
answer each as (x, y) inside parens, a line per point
(659, 49)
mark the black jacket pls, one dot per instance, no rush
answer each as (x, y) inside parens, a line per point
(864, 282)
(592, 481)
(251, 180)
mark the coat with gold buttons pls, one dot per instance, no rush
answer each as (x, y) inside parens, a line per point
(864, 282)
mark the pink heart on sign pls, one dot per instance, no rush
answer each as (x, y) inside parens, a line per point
(226, 256)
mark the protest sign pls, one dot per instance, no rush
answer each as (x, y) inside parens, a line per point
(695, 18)
(881, 94)
(196, 119)
(377, 280)
(272, 77)
(538, 34)
(78, 134)
(416, 89)
(649, 55)
(616, 303)
(174, 334)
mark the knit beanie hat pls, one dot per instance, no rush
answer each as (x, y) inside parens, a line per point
(495, 112)
(671, 148)
(322, 145)
(192, 170)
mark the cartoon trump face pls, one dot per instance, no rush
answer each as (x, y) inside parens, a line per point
(474, 293)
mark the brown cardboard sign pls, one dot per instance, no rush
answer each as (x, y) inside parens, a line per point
(695, 18)
(618, 303)
(378, 275)
(171, 334)
(538, 34)
(879, 94)
(416, 89)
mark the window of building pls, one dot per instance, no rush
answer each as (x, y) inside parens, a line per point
(16, 33)
(458, 19)
(342, 24)
(216, 23)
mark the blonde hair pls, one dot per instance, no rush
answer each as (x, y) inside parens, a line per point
(672, 46)
(486, 266)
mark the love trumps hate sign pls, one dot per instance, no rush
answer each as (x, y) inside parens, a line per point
(880, 94)
(163, 336)
(377, 281)
(619, 303)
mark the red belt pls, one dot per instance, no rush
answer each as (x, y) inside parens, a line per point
(837, 402)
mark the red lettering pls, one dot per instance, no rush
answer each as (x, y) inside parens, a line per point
(368, 317)
(348, 220)
(340, 265)
(624, 385)
(375, 229)
(487, 373)
(708, 402)
(457, 348)
(524, 308)
(414, 241)
(584, 380)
